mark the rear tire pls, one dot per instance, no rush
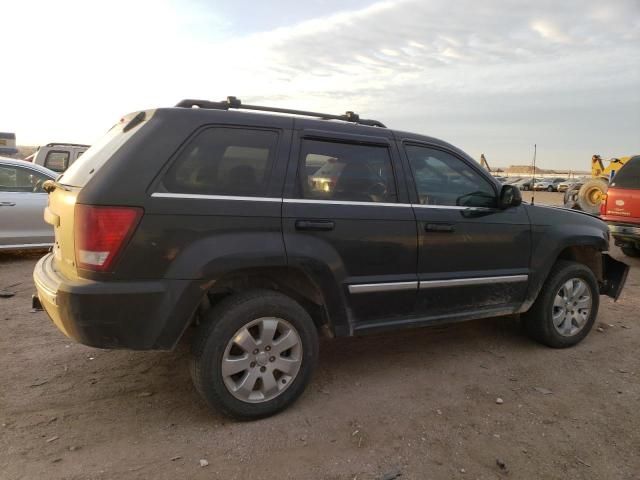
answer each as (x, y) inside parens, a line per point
(228, 339)
(631, 251)
(566, 307)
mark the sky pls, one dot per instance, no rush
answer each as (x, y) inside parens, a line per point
(490, 76)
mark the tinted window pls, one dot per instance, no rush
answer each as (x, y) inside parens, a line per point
(81, 170)
(628, 176)
(57, 161)
(340, 171)
(224, 161)
(17, 179)
(443, 179)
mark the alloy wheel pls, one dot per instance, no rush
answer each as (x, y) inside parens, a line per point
(262, 360)
(571, 307)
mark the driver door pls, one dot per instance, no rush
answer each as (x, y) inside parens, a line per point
(473, 258)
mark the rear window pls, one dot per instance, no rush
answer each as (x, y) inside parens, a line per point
(628, 176)
(224, 161)
(57, 161)
(81, 171)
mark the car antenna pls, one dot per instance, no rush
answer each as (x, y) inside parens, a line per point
(533, 180)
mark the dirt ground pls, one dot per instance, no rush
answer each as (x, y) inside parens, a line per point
(419, 404)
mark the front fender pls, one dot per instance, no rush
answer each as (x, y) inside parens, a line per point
(553, 231)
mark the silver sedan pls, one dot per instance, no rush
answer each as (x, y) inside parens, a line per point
(22, 204)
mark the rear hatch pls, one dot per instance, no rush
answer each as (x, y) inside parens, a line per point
(623, 196)
(61, 210)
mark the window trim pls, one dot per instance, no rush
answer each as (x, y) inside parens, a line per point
(344, 139)
(66, 162)
(413, 188)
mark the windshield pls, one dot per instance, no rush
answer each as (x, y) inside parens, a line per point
(81, 171)
(629, 175)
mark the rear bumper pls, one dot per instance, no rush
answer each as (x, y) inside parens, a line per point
(142, 315)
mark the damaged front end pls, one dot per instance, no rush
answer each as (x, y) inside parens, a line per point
(614, 276)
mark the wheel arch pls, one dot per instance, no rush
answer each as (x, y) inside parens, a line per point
(585, 250)
(306, 289)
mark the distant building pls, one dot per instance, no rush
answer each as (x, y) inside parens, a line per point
(8, 143)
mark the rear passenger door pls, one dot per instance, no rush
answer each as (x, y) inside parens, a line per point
(346, 219)
(473, 257)
(218, 204)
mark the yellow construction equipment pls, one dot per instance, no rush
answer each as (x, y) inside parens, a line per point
(588, 196)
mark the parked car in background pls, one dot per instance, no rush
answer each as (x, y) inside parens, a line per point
(570, 183)
(57, 156)
(22, 204)
(524, 184)
(550, 184)
(263, 230)
(620, 207)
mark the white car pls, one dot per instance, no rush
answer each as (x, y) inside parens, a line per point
(22, 204)
(57, 156)
(550, 184)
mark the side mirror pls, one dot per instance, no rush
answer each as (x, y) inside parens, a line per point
(509, 197)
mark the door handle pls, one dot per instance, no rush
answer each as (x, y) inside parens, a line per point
(7, 204)
(315, 225)
(438, 227)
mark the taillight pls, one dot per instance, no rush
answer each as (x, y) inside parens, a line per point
(603, 204)
(101, 233)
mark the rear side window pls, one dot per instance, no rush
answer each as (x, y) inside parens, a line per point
(224, 161)
(57, 161)
(628, 176)
(346, 172)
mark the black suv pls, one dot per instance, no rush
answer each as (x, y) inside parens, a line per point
(260, 230)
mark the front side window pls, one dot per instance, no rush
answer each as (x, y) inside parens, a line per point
(443, 179)
(57, 161)
(346, 172)
(17, 179)
(224, 161)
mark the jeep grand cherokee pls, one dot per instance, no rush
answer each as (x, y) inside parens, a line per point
(262, 229)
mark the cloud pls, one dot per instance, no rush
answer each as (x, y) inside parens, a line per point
(549, 31)
(492, 76)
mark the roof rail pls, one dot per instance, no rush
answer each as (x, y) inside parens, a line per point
(233, 102)
(60, 144)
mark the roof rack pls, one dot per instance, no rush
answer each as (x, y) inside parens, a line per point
(60, 144)
(233, 102)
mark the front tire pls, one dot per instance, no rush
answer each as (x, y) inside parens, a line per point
(550, 188)
(566, 307)
(254, 354)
